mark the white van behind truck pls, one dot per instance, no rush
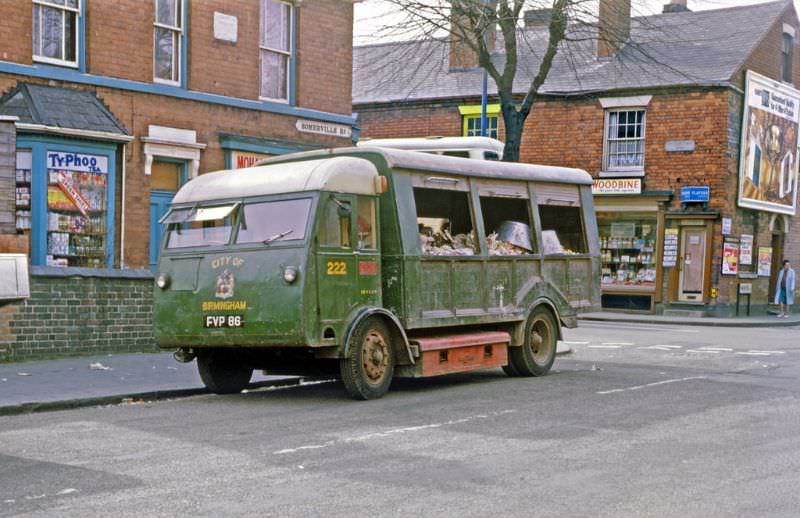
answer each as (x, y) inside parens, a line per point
(479, 148)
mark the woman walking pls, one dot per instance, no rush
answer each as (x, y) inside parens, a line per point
(784, 294)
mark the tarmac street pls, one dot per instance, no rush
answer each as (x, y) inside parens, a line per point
(639, 420)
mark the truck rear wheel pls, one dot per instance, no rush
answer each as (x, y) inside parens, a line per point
(369, 366)
(223, 373)
(537, 354)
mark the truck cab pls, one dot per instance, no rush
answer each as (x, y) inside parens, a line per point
(373, 264)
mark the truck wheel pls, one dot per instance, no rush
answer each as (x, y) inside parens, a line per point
(369, 366)
(223, 373)
(537, 354)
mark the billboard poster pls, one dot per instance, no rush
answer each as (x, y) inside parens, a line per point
(768, 165)
(764, 261)
(730, 258)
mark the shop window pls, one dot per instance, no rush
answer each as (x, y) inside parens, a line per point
(275, 49)
(167, 41)
(627, 249)
(561, 218)
(445, 222)
(624, 149)
(508, 226)
(23, 179)
(335, 223)
(55, 31)
(273, 221)
(365, 223)
(787, 55)
(77, 187)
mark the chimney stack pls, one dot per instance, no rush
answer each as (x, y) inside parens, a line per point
(676, 6)
(461, 55)
(538, 17)
(614, 26)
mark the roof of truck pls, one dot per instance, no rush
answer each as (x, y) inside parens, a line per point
(427, 162)
(435, 143)
(337, 174)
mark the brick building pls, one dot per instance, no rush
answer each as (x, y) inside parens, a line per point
(106, 108)
(691, 211)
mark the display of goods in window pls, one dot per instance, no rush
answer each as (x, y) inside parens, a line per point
(627, 254)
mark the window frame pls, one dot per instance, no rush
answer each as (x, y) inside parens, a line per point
(465, 130)
(787, 57)
(178, 33)
(63, 8)
(637, 170)
(262, 48)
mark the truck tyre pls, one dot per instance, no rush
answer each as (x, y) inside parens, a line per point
(537, 354)
(223, 373)
(368, 368)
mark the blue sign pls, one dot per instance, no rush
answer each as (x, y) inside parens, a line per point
(695, 194)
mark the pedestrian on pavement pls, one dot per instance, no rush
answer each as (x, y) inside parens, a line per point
(784, 292)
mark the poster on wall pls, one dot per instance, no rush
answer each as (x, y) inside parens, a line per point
(670, 257)
(764, 261)
(730, 258)
(768, 167)
(746, 249)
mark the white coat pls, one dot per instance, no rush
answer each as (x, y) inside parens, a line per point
(789, 286)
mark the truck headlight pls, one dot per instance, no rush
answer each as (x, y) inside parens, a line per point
(162, 281)
(290, 274)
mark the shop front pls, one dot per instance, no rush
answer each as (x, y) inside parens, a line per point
(630, 226)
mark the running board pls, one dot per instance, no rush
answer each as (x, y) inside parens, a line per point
(448, 354)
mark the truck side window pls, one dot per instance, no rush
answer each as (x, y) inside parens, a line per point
(562, 222)
(508, 225)
(445, 222)
(365, 223)
(335, 224)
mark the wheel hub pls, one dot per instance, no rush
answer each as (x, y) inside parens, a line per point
(375, 357)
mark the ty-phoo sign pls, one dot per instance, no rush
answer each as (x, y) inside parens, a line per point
(611, 186)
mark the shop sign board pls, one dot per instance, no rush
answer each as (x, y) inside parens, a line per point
(730, 257)
(768, 166)
(79, 162)
(323, 128)
(746, 249)
(616, 186)
(764, 261)
(695, 194)
(670, 257)
(240, 160)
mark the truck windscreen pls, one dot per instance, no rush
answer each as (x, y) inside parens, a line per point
(274, 221)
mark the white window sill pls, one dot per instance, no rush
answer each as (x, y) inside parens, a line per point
(53, 61)
(272, 100)
(621, 174)
(166, 82)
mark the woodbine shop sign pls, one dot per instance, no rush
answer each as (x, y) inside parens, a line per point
(609, 186)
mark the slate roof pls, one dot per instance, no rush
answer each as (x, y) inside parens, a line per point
(683, 48)
(60, 108)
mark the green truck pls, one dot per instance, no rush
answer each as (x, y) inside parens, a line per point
(375, 263)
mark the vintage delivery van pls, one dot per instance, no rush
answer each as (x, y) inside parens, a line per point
(375, 263)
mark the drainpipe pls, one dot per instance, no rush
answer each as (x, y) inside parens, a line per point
(122, 216)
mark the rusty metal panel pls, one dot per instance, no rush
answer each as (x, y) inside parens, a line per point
(439, 342)
(499, 288)
(434, 286)
(526, 272)
(468, 286)
(555, 271)
(461, 359)
(580, 283)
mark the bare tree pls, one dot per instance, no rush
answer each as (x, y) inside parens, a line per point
(494, 32)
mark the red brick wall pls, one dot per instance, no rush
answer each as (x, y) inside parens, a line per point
(766, 57)
(421, 121)
(15, 32)
(119, 39)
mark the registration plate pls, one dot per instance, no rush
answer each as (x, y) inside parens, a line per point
(223, 321)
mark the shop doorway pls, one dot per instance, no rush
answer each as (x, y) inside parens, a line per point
(165, 180)
(777, 259)
(692, 264)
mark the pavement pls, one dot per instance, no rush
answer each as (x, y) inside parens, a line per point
(66, 383)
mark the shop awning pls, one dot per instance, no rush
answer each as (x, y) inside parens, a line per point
(63, 111)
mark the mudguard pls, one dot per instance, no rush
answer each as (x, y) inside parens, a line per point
(360, 314)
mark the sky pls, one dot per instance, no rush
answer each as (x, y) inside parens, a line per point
(371, 15)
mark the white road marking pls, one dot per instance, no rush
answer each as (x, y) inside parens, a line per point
(770, 352)
(754, 353)
(617, 326)
(67, 491)
(605, 347)
(701, 351)
(618, 343)
(724, 349)
(638, 387)
(657, 347)
(573, 343)
(390, 432)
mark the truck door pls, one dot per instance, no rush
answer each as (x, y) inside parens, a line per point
(337, 264)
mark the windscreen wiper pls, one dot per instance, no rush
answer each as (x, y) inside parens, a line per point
(278, 236)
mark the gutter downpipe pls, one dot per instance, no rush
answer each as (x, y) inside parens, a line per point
(122, 215)
(484, 91)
